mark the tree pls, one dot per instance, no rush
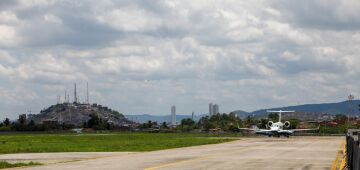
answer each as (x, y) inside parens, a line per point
(263, 123)
(7, 122)
(97, 123)
(187, 122)
(22, 119)
(250, 120)
(227, 122)
(31, 126)
(205, 123)
(294, 123)
(93, 121)
(340, 119)
(149, 124)
(164, 125)
(273, 116)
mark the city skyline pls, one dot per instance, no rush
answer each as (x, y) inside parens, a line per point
(243, 55)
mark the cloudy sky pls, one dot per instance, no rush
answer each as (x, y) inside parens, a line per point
(142, 56)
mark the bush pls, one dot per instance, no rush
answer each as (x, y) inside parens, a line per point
(5, 128)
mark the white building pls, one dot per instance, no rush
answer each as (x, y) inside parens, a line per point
(215, 109)
(210, 109)
(173, 115)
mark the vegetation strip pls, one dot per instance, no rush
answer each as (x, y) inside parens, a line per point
(4, 164)
(107, 142)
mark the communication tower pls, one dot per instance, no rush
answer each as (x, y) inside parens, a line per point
(350, 105)
(87, 93)
(75, 94)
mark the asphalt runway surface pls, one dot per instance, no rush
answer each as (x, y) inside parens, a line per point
(247, 153)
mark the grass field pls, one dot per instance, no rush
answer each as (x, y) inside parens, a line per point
(104, 142)
(4, 164)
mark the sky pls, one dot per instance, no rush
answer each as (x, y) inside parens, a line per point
(143, 56)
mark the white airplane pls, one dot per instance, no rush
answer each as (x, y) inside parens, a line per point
(277, 128)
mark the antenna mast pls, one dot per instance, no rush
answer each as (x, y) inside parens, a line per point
(65, 100)
(75, 95)
(87, 93)
(58, 99)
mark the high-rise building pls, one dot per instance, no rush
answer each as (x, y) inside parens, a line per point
(215, 109)
(210, 109)
(173, 115)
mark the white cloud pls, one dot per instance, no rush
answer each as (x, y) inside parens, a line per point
(142, 57)
(36, 3)
(130, 19)
(5, 71)
(8, 36)
(8, 17)
(52, 18)
(347, 10)
(273, 11)
(5, 57)
(47, 68)
(289, 56)
(285, 30)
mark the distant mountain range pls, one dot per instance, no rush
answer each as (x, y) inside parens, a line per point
(345, 107)
(142, 118)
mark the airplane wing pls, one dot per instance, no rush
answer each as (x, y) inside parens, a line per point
(256, 130)
(299, 130)
(250, 129)
(280, 111)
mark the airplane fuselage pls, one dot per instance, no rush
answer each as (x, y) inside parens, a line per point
(276, 129)
(276, 133)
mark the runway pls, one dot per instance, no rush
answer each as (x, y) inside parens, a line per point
(246, 153)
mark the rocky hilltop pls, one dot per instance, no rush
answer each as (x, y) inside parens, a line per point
(77, 113)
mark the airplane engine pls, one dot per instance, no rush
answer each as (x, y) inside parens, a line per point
(270, 123)
(287, 124)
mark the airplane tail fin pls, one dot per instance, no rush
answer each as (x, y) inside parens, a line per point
(279, 116)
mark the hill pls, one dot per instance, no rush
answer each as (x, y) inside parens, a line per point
(76, 114)
(345, 107)
(242, 114)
